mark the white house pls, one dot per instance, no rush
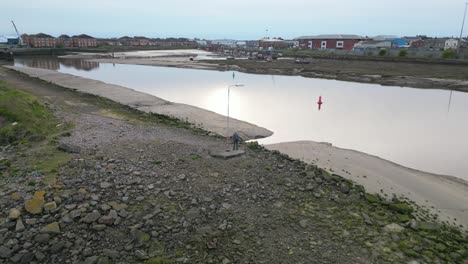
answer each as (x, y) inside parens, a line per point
(451, 44)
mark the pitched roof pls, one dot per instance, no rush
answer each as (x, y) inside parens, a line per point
(64, 36)
(42, 35)
(331, 36)
(83, 36)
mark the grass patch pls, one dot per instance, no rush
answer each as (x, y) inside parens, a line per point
(25, 121)
(22, 117)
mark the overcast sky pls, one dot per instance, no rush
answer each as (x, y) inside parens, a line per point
(238, 19)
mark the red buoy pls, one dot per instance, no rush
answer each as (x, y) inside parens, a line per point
(320, 102)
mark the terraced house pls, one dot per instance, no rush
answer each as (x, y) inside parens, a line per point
(40, 40)
(84, 40)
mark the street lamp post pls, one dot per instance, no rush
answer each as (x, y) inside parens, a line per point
(461, 32)
(227, 121)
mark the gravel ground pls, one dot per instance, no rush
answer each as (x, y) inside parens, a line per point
(142, 191)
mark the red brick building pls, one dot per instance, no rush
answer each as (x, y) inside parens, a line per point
(417, 44)
(84, 40)
(65, 41)
(40, 40)
(341, 42)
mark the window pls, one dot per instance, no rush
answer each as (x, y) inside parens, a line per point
(324, 45)
(339, 44)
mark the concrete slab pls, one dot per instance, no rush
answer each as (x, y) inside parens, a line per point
(226, 154)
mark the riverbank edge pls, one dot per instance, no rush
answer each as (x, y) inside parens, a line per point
(442, 195)
(401, 81)
(138, 105)
(147, 103)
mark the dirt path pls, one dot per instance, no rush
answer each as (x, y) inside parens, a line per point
(138, 189)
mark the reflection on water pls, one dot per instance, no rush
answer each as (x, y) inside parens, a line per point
(408, 126)
(54, 63)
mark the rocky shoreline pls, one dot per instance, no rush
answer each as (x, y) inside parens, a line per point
(137, 188)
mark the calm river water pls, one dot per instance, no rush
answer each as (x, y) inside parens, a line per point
(417, 128)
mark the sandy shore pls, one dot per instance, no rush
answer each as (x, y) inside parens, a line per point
(209, 120)
(443, 195)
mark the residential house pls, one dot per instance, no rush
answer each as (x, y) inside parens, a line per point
(142, 41)
(451, 44)
(128, 41)
(65, 41)
(434, 43)
(272, 43)
(108, 42)
(418, 44)
(84, 40)
(336, 41)
(40, 40)
(415, 42)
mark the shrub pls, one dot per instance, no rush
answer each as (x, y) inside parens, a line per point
(382, 52)
(403, 53)
(449, 54)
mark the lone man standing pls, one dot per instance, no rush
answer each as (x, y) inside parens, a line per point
(235, 141)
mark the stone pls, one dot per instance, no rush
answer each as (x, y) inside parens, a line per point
(57, 247)
(52, 228)
(91, 217)
(5, 252)
(70, 206)
(403, 208)
(42, 238)
(27, 257)
(372, 198)
(118, 206)
(226, 154)
(226, 205)
(15, 196)
(50, 207)
(107, 220)
(105, 185)
(19, 226)
(393, 228)
(99, 227)
(181, 177)
(113, 254)
(140, 237)
(192, 214)
(69, 148)
(34, 206)
(75, 213)
(140, 254)
(14, 214)
(91, 260)
(39, 256)
(303, 223)
(57, 200)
